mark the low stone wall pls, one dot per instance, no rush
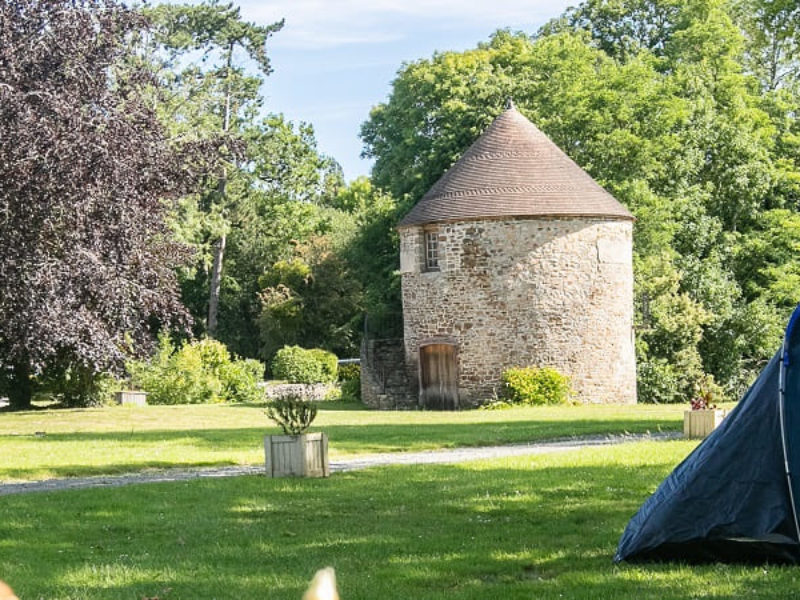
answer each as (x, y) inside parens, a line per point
(309, 391)
(384, 381)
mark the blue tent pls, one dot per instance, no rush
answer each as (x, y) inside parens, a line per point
(735, 498)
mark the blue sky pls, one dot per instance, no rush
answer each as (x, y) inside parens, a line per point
(336, 59)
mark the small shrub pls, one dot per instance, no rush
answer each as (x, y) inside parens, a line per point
(74, 385)
(351, 390)
(328, 363)
(298, 365)
(240, 379)
(196, 373)
(334, 394)
(535, 386)
(350, 378)
(661, 382)
(292, 413)
(349, 371)
(295, 365)
(658, 382)
(705, 393)
(496, 404)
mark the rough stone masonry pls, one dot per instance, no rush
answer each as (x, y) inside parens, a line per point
(526, 292)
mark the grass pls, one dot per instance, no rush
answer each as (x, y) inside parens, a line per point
(113, 440)
(528, 527)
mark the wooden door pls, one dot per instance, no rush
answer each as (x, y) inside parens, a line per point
(438, 377)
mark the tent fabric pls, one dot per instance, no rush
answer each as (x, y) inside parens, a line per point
(730, 499)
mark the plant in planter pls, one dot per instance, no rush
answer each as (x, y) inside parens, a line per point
(296, 453)
(704, 416)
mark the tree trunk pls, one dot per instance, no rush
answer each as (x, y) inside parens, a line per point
(21, 391)
(216, 280)
(219, 247)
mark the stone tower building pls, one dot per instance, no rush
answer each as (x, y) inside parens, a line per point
(516, 257)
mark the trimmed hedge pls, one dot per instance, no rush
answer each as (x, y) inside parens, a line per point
(299, 365)
(535, 386)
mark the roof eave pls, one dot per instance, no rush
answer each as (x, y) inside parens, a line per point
(599, 216)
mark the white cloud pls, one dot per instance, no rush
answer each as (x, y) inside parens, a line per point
(315, 24)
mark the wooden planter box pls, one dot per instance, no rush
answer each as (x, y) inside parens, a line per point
(131, 398)
(699, 423)
(303, 455)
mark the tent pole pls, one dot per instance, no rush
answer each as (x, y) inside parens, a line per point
(781, 405)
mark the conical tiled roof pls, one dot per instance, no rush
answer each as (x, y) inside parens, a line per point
(513, 170)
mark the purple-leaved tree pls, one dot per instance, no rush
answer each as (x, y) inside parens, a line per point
(86, 262)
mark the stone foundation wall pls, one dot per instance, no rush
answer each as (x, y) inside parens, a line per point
(552, 292)
(384, 383)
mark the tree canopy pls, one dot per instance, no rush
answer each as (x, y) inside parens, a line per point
(663, 104)
(88, 265)
(215, 96)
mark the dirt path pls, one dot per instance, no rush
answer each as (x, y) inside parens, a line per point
(364, 461)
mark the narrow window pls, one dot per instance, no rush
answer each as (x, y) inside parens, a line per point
(431, 250)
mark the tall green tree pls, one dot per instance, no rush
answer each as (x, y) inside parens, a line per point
(772, 32)
(215, 95)
(275, 204)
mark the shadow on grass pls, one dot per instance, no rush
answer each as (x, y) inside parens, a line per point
(391, 437)
(452, 532)
(138, 450)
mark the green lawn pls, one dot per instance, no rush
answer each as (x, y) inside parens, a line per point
(534, 527)
(124, 439)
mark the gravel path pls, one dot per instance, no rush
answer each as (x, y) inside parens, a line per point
(364, 461)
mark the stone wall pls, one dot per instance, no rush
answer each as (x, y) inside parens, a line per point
(309, 391)
(552, 292)
(384, 383)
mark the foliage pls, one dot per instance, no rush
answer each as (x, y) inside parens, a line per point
(658, 382)
(704, 396)
(198, 372)
(535, 386)
(264, 199)
(240, 379)
(74, 386)
(313, 298)
(328, 363)
(351, 390)
(771, 30)
(349, 372)
(292, 413)
(653, 99)
(214, 97)
(87, 266)
(299, 365)
(372, 254)
(350, 382)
